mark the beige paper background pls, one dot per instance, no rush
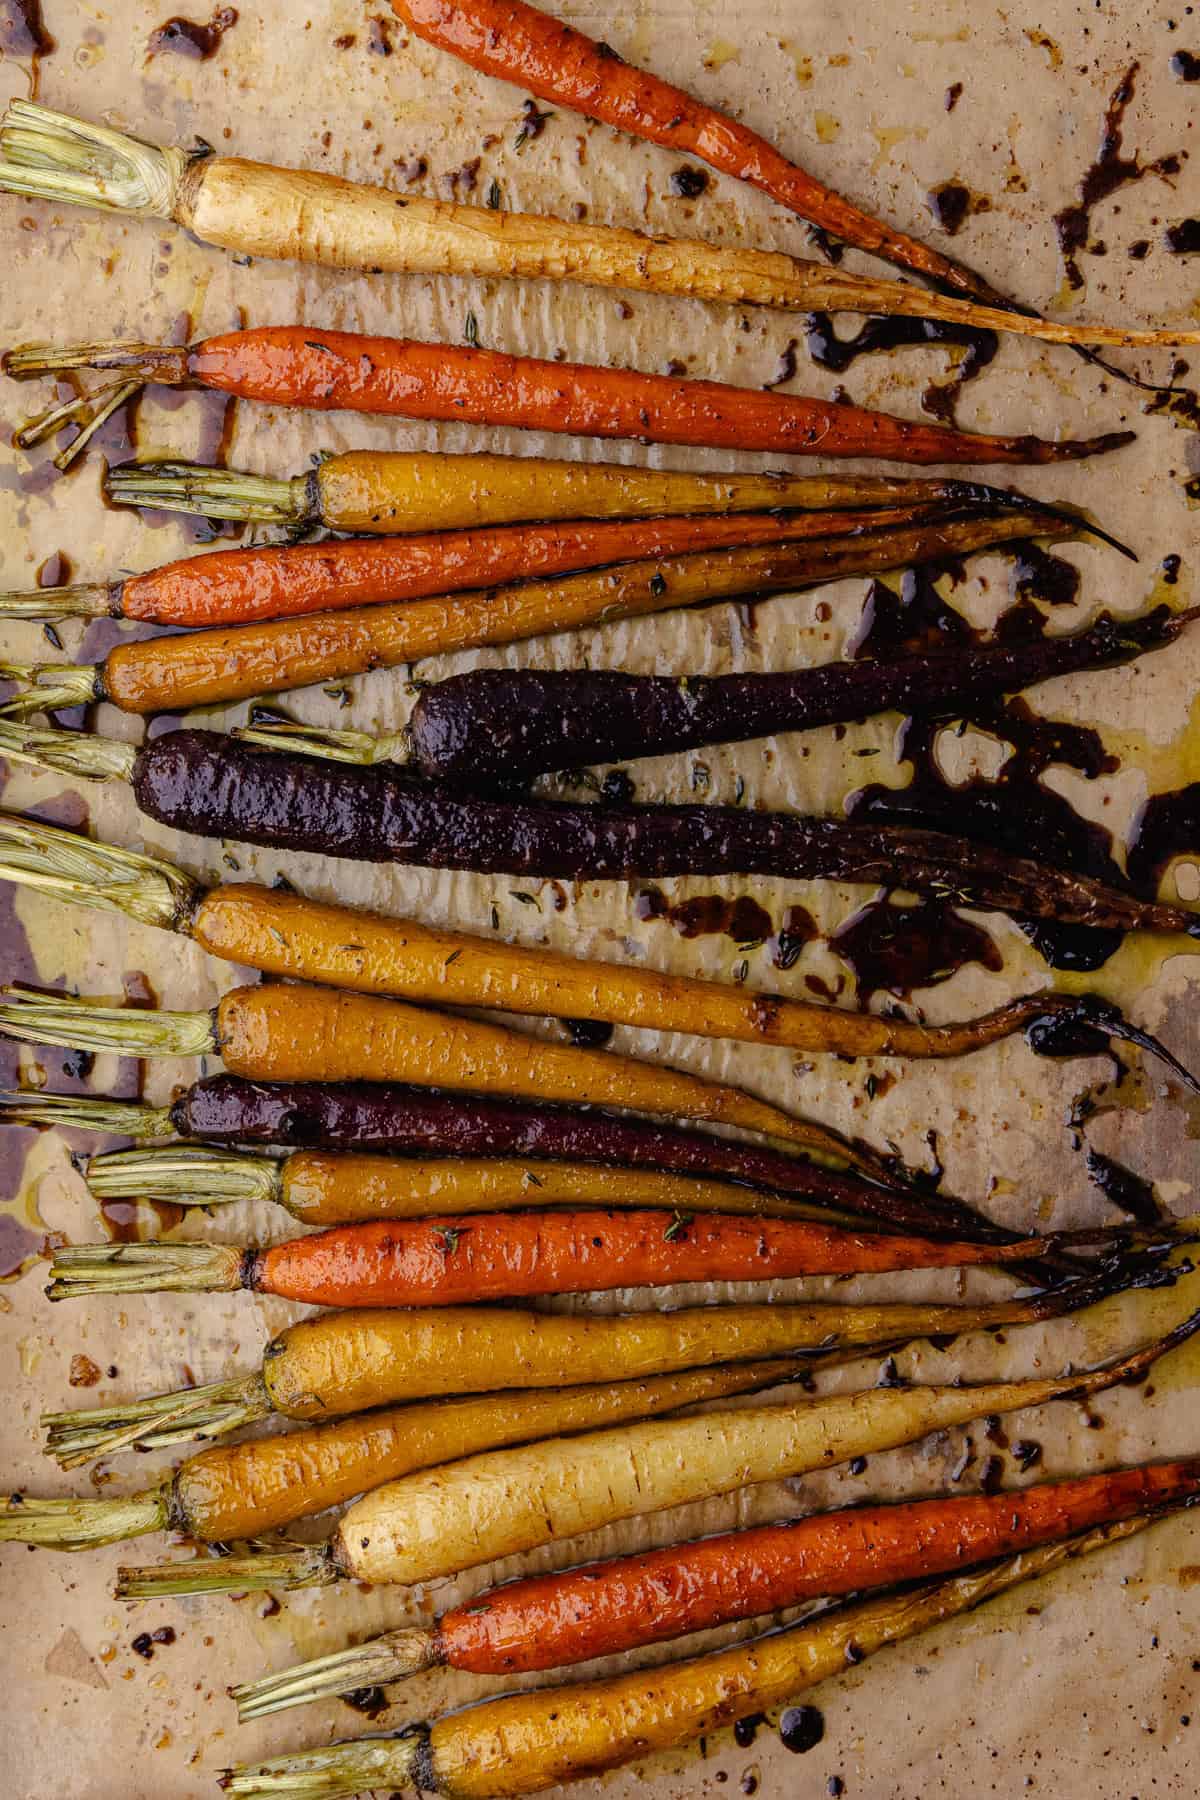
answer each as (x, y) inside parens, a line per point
(1086, 1696)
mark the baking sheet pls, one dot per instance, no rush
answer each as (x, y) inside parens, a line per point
(1085, 1687)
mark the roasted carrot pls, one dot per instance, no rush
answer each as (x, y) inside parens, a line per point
(519, 43)
(300, 365)
(319, 1187)
(235, 1491)
(609, 1608)
(465, 1257)
(453, 1518)
(538, 1739)
(349, 1362)
(284, 933)
(403, 490)
(366, 1116)
(257, 210)
(201, 782)
(491, 729)
(240, 662)
(280, 1032)
(273, 581)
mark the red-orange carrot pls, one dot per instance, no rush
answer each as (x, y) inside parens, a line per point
(299, 365)
(274, 581)
(518, 43)
(608, 1608)
(464, 1257)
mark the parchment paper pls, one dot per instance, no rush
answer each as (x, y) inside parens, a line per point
(1083, 1688)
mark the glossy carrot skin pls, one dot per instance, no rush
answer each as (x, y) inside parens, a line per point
(605, 1608)
(212, 786)
(295, 365)
(408, 1121)
(268, 656)
(480, 1256)
(518, 43)
(235, 1491)
(237, 587)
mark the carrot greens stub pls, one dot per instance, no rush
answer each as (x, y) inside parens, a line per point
(298, 365)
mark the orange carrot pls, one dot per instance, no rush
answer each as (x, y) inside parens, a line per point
(608, 1608)
(463, 1257)
(239, 586)
(299, 365)
(242, 661)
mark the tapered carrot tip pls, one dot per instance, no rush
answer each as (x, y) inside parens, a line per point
(1072, 449)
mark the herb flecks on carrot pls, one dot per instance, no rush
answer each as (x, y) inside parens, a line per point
(407, 1121)
(246, 585)
(280, 1032)
(390, 491)
(519, 43)
(232, 1492)
(213, 786)
(527, 1742)
(298, 365)
(462, 1258)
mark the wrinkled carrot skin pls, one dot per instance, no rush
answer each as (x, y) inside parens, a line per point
(286, 934)
(234, 1491)
(605, 1608)
(232, 587)
(329, 1188)
(496, 1256)
(240, 662)
(518, 43)
(294, 365)
(280, 1032)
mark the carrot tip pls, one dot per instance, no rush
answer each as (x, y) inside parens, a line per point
(1087, 1025)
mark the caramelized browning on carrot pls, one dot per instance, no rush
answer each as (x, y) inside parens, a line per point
(231, 587)
(240, 662)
